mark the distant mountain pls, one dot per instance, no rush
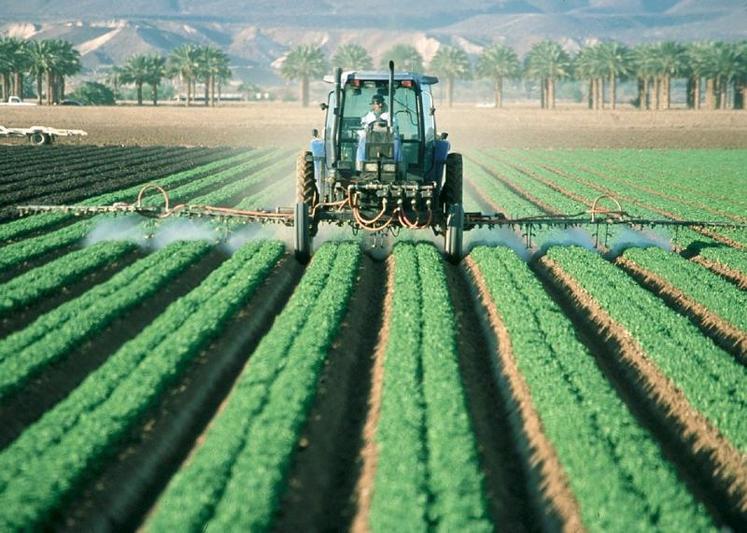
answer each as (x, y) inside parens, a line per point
(257, 33)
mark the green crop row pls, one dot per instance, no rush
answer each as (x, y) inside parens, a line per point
(559, 201)
(716, 294)
(645, 199)
(511, 203)
(711, 379)
(427, 471)
(582, 184)
(71, 440)
(597, 440)
(189, 179)
(235, 478)
(16, 253)
(44, 280)
(57, 332)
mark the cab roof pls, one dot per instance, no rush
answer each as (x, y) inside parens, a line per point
(383, 75)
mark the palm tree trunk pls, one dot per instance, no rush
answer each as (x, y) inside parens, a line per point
(499, 92)
(723, 101)
(39, 88)
(139, 86)
(667, 92)
(744, 96)
(189, 92)
(710, 96)
(3, 96)
(49, 87)
(207, 91)
(657, 93)
(601, 93)
(696, 93)
(18, 84)
(590, 95)
(613, 91)
(543, 89)
(62, 87)
(212, 96)
(305, 91)
(155, 93)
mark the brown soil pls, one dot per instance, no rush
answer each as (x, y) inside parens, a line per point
(720, 465)
(288, 124)
(505, 483)
(369, 452)
(321, 492)
(728, 336)
(562, 511)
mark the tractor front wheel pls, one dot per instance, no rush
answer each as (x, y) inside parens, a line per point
(38, 138)
(306, 199)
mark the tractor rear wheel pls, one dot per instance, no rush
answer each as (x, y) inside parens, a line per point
(306, 198)
(452, 191)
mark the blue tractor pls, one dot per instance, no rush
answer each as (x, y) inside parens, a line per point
(380, 175)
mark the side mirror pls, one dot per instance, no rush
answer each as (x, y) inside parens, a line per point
(444, 135)
(315, 133)
(323, 106)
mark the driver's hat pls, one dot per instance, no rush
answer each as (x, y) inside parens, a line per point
(377, 99)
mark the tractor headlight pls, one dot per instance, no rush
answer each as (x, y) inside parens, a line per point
(371, 167)
(389, 167)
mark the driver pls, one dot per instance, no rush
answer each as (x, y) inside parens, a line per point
(378, 111)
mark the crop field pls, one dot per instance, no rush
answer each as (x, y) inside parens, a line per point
(191, 375)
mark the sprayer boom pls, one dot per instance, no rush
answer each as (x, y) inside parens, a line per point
(600, 219)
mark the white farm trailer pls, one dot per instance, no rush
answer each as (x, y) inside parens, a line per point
(39, 135)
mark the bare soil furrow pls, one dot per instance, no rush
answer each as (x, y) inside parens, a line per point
(321, 489)
(120, 495)
(719, 466)
(21, 318)
(506, 484)
(58, 379)
(549, 484)
(368, 457)
(725, 334)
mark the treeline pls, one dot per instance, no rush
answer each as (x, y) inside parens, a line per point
(48, 61)
(716, 72)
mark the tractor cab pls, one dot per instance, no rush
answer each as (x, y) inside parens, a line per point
(399, 146)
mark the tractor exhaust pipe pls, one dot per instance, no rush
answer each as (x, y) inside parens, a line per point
(338, 116)
(390, 121)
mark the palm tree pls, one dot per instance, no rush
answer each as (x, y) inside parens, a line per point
(405, 57)
(15, 60)
(182, 63)
(136, 70)
(587, 65)
(724, 67)
(645, 67)
(614, 62)
(547, 62)
(113, 78)
(155, 70)
(41, 56)
(452, 63)
(697, 61)
(212, 66)
(67, 63)
(352, 57)
(498, 63)
(669, 58)
(304, 62)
